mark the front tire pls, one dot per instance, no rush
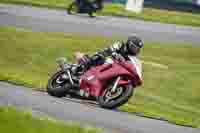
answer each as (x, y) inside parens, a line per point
(122, 99)
(55, 88)
(92, 14)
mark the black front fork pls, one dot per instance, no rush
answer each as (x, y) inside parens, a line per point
(65, 67)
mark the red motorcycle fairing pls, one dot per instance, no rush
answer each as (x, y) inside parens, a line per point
(123, 82)
(94, 79)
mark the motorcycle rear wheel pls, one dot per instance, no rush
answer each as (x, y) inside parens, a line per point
(73, 8)
(57, 88)
(120, 100)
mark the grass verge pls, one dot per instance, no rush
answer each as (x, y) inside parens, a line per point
(149, 14)
(15, 121)
(171, 72)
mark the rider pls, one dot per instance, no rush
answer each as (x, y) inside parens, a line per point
(123, 49)
(90, 3)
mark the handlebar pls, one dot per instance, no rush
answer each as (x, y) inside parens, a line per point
(118, 57)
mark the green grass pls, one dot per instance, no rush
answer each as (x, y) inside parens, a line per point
(171, 71)
(149, 14)
(155, 15)
(13, 121)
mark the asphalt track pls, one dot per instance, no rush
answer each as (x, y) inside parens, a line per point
(75, 111)
(84, 113)
(44, 19)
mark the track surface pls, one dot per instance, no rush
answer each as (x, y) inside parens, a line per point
(58, 21)
(86, 114)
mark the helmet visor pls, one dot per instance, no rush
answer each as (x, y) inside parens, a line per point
(134, 49)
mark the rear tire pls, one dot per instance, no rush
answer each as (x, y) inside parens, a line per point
(72, 8)
(126, 94)
(56, 89)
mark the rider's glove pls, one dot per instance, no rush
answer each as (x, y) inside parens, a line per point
(97, 59)
(118, 56)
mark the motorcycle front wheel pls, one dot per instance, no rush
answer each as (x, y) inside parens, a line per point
(57, 86)
(92, 14)
(112, 100)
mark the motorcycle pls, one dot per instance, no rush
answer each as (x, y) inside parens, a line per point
(80, 6)
(110, 84)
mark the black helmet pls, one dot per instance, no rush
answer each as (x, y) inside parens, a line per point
(134, 44)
